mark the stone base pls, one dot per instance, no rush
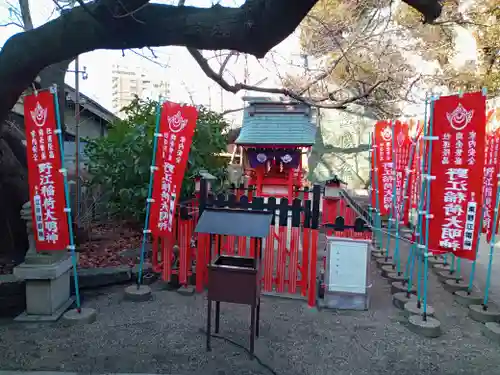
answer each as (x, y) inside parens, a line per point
(25, 317)
(445, 275)
(393, 277)
(85, 316)
(492, 331)
(430, 327)
(466, 299)
(47, 286)
(380, 254)
(477, 313)
(397, 287)
(386, 270)
(400, 299)
(138, 294)
(383, 262)
(453, 286)
(434, 260)
(186, 290)
(440, 267)
(411, 308)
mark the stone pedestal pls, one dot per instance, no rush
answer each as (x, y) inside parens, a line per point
(430, 327)
(479, 314)
(47, 279)
(437, 268)
(383, 262)
(47, 289)
(446, 275)
(465, 298)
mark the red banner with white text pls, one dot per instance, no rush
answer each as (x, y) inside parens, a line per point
(491, 171)
(175, 135)
(384, 170)
(46, 182)
(402, 151)
(457, 163)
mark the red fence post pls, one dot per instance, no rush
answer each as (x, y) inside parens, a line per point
(311, 301)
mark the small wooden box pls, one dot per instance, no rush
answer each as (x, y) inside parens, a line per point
(234, 279)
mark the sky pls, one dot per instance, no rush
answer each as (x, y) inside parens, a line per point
(185, 78)
(187, 82)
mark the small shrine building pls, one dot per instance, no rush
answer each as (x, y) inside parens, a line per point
(276, 137)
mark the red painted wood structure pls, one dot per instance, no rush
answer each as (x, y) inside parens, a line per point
(275, 135)
(290, 252)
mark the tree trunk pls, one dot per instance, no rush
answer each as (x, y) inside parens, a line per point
(14, 174)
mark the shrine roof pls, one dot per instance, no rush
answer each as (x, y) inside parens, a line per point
(277, 123)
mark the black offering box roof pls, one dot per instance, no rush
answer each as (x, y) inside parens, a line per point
(234, 222)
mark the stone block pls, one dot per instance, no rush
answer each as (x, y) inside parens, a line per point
(383, 262)
(492, 331)
(138, 293)
(479, 314)
(400, 299)
(437, 268)
(412, 308)
(393, 277)
(446, 275)
(399, 286)
(386, 270)
(429, 327)
(47, 289)
(453, 286)
(435, 260)
(465, 298)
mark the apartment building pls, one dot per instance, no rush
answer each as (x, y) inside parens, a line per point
(127, 82)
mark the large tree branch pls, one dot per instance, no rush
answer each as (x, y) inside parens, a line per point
(219, 79)
(125, 24)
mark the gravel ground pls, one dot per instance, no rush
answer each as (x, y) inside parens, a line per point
(163, 336)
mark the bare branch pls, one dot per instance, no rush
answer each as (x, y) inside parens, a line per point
(205, 67)
(12, 23)
(225, 62)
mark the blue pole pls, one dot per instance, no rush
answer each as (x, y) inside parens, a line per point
(428, 204)
(414, 253)
(145, 232)
(377, 203)
(403, 206)
(473, 270)
(53, 90)
(492, 247)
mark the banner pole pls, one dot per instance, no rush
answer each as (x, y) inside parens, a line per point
(492, 247)
(370, 178)
(414, 253)
(71, 246)
(427, 213)
(473, 269)
(403, 206)
(149, 200)
(378, 218)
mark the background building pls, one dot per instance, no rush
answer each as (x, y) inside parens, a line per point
(128, 82)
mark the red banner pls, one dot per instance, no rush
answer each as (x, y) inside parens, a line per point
(491, 171)
(177, 125)
(384, 170)
(457, 164)
(402, 148)
(46, 182)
